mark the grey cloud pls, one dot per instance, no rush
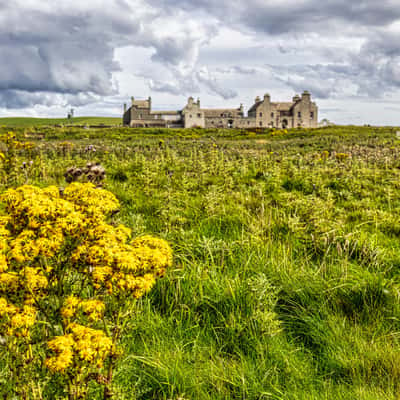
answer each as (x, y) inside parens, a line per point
(294, 16)
(373, 71)
(189, 84)
(206, 78)
(67, 56)
(237, 69)
(71, 51)
(165, 87)
(18, 99)
(68, 53)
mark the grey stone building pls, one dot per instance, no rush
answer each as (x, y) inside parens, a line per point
(300, 112)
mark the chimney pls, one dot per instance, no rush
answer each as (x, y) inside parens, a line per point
(267, 98)
(257, 99)
(132, 100)
(149, 100)
(296, 98)
(198, 102)
(306, 95)
(124, 108)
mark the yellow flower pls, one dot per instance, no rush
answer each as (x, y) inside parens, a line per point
(63, 347)
(6, 308)
(91, 200)
(94, 309)
(9, 281)
(70, 307)
(22, 320)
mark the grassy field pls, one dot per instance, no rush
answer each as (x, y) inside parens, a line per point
(285, 282)
(35, 122)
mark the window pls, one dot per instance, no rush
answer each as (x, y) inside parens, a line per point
(198, 115)
(299, 114)
(248, 122)
(260, 123)
(140, 116)
(190, 116)
(260, 114)
(272, 115)
(312, 114)
(222, 115)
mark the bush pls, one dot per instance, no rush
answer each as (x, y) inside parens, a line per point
(68, 280)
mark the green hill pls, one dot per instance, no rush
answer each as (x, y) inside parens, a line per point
(26, 122)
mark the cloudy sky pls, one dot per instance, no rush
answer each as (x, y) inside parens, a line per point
(93, 55)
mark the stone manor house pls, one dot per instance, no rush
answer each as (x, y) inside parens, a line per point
(300, 112)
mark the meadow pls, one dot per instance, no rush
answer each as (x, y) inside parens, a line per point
(285, 282)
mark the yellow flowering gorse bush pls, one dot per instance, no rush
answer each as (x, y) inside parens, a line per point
(67, 275)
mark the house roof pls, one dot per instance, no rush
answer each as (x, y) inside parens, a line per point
(254, 106)
(216, 112)
(282, 106)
